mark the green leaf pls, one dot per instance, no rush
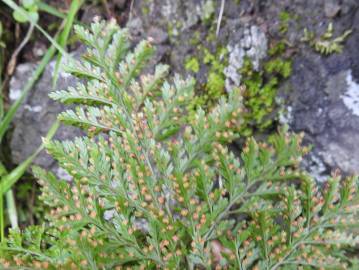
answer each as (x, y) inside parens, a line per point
(74, 8)
(19, 16)
(28, 4)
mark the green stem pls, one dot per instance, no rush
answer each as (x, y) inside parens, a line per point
(5, 123)
(11, 209)
(74, 8)
(2, 172)
(1, 213)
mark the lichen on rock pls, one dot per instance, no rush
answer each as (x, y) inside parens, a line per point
(252, 44)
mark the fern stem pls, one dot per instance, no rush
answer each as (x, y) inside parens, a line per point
(11, 209)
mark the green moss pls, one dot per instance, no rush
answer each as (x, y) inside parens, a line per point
(196, 38)
(215, 85)
(179, 24)
(199, 101)
(279, 66)
(146, 7)
(259, 99)
(209, 92)
(192, 64)
(326, 44)
(211, 36)
(208, 57)
(261, 89)
(170, 30)
(208, 11)
(284, 18)
(145, 10)
(277, 49)
(261, 86)
(211, 33)
(216, 78)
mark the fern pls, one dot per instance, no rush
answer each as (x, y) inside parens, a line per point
(152, 191)
(326, 44)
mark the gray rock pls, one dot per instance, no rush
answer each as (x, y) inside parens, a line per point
(36, 115)
(184, 14)
(236, 61)
(316, 167)
(252, 44)
(158, 35)
(332, 8)
(135, 26)
(119, 3)
(325, 103)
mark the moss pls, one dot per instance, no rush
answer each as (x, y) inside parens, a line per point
(208, 11)
(277, 49)
(217, 62)
(279, 66)
(170, 30)
(145, 10)
(208, 57)
(326, 44)
(259, 99)
(199, 101)
(261, 86)
(192, 64)
(195, 39)
(261, 89)
(284, 18)
(215, 85)
(179, 24)
(211, 37)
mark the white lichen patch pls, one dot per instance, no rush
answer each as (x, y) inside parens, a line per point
(351, 96)
(14, 94)
(317, 168)
(17, 81)
(33, 108)
(62, 74)
(285, 115)
(254, 45)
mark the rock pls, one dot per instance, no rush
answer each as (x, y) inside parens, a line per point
(316, 167)
(252, 44)
(258, 48)
(135, 27)
(39, 49)
(236, 60)
(351, 96)
(332, 8)
(36, 115)
(158, 35)
(119, 3)
(324, 99)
